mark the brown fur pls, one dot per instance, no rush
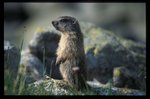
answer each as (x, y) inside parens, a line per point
(71, 56)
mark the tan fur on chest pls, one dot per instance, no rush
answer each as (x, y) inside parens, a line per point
(69, 47)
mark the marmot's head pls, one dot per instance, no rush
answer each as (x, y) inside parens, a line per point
(66, 24)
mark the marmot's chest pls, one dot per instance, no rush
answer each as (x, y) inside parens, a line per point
(68, 46)
(67, 42)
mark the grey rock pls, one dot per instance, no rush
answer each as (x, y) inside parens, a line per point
(39, 56)
(31, 67)
(129, 77)
(60, 87)
(51, 87)
(105, 51)
(108, 89)
(11, 57)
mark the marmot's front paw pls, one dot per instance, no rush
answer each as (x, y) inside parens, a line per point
(59, 60)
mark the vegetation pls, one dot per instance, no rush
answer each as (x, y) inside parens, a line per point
(17, 86)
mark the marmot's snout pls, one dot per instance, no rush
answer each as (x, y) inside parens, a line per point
(55, 23)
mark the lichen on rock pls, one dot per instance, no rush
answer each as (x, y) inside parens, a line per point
(106, 51)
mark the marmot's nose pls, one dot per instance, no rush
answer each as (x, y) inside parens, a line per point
(55, 22)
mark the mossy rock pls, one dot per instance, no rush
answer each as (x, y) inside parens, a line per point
(106, 51)
(55, 87)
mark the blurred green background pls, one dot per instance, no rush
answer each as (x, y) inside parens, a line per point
(125, 19)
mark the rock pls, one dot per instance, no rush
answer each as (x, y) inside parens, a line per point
(59, 87)
(122, 91)
(51, 86)
(11, 57)
(126, 77)
(106, 51)
(108, 89)
(39, 57)
(43, 46)
(31, 67)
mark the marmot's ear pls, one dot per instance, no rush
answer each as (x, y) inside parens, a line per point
(74, 22)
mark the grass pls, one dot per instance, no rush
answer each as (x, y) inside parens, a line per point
(17, 86)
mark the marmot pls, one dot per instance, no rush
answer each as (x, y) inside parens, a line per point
(70, 52)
